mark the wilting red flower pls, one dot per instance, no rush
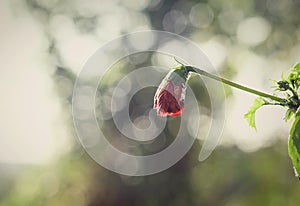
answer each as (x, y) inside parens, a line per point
(170, 95)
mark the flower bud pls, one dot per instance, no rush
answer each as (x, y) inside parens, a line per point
(170, 95)
(283, 85)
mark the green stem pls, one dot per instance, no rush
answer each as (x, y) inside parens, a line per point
(238, 86)
(293, 91)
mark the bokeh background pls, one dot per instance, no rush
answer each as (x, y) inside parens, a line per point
(44, 44)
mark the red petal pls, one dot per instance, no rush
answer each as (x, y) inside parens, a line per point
(168, 99)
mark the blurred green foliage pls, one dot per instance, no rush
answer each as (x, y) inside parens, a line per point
(230, 177)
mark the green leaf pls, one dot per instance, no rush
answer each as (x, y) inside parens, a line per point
(294, 144)
(289, 114)
(250, 115)
(294, 76)
(297, 67)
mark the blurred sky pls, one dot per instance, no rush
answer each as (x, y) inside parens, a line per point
(254, 40)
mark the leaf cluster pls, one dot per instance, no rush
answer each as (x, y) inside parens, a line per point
(290, 86)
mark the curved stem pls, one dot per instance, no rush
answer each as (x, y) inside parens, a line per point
(238, 86)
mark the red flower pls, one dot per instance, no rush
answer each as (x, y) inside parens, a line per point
(170, 95)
